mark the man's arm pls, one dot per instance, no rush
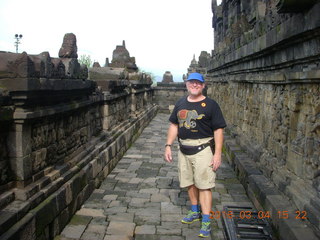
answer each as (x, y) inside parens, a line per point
(218, 140)
(171, 136)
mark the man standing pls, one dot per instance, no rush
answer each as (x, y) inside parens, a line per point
(198, 123)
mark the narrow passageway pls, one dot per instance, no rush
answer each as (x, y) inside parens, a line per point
(141, 198)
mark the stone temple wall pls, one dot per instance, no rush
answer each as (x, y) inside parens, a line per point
(54, 138)
(265, 74)
(166, 95)
(61, 134)
(116, 111)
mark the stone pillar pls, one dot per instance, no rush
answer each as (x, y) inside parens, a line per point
(133, 101)
(19, 142)
(145, 98)
(106, 116)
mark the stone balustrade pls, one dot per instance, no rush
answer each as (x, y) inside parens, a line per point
(166, 95)
(60, 135)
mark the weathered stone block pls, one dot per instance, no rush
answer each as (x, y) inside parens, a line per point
(72, 67)
(145, 229)
(121, 228)
(107, 73)
(292, 229)
(261, 187)
(45, 214)
(246, 166)
(298, 196)
(312, 214)
(59, 69)
(281, 178)
(16, 65)
(73, 231)
(7, 219)
(69, 46)
(23, 229)
(295, 162)
(43, 67)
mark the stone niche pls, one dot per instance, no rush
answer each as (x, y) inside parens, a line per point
(266, 66)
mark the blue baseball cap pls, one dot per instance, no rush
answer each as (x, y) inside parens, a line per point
(195, 76)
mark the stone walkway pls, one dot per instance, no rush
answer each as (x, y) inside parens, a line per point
(141, 198)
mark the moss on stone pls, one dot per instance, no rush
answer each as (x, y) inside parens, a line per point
(83, 181)
(80, 220)
(221, 190)
(45, 213)
(6, 113)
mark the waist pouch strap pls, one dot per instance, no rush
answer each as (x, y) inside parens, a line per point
(191, 150)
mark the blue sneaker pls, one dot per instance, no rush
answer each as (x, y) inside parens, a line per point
(191, 217)
(205, 229)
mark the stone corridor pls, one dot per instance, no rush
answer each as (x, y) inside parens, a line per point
(141, 198)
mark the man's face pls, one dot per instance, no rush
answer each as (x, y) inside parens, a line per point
(195, 87)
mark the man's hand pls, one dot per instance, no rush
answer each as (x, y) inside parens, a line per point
(218, 140)
(172, 134)
(168, 155)
(216, 162)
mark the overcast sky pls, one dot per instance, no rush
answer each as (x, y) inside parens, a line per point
(162, 35)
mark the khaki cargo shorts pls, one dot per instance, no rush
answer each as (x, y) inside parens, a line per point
(195, 169)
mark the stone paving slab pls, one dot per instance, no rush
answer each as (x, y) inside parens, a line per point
(141, 198)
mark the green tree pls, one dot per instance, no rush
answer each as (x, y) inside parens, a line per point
(153, 78)
(86, 60)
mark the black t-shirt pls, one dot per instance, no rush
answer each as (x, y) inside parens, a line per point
(197, 119)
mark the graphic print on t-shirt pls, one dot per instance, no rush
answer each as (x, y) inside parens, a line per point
(187, 118)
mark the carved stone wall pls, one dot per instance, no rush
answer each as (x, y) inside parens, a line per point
(60, 136)
(277, 124)
(266, 66)
(116, 111)
(55, 138)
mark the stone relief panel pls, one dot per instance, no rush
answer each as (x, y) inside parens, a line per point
(140, 100)
(237, 23)
(95, 120)
(116, 111)
(280, 124)
(53, 139)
